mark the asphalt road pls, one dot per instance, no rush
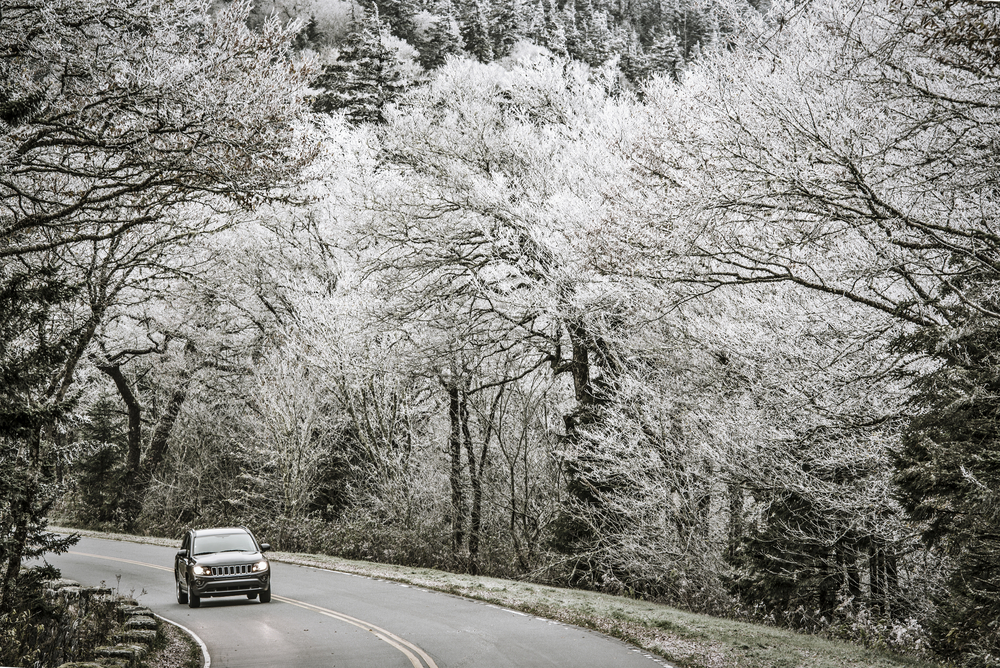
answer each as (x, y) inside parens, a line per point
(319, 618)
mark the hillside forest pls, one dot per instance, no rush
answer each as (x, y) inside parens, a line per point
(695, 301)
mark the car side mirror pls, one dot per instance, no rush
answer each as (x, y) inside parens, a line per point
(182, 553)
(264, 547)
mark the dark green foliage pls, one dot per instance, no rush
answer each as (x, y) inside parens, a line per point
(948, 473)
(364, 78)
(665, 56)
(25, 500)
(24, 627)
(577, 529)
(103, 477)
(475, 28)
(811, 550)
(646, 38)
(553, 32)
(507, 25)
(32, 349)
(442, 39)
(398, 15)
(598, 43)
(42, 631)
(311, 36)
(17, 110)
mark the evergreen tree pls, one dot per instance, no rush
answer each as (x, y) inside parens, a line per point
(569, 25)
(475, 29)
(633, 61)
(443, 38)
(32, 348)
(311, 36)
(693, 24)
(533, 20)
(949, 478)
(398, 15)
(553, 34)
(103, 488)
(506, 25)
(364, 77)
(805, 555)
(590, 38)
(665, 56)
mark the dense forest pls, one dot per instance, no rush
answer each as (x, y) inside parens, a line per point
(690, 300)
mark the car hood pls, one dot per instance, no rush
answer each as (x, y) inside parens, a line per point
(227, 558)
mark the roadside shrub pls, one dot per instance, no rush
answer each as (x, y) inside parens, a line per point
(25, 637)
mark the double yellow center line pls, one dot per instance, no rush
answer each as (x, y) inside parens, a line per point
(411, 651)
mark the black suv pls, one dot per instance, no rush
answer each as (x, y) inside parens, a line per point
(221, 562)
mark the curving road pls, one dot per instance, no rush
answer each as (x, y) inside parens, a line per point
(320, 618)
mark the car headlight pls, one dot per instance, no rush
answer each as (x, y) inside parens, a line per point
(260, 566)
(201, 570)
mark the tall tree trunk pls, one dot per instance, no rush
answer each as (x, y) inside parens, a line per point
(852, 572)
(455, 451)
(829, 583)
(134, 440)
(15, 544)
(876, 571)
(891, 580)
(165, 425)
(476, 482)
(140, 472)
(735, 521)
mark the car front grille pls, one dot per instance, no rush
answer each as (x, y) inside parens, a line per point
(232, 570)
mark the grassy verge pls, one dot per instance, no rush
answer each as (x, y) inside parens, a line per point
(684, 639)
(174, 649)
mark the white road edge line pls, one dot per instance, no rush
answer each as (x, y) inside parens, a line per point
(206, 659)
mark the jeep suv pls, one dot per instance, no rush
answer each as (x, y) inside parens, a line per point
(221, 562)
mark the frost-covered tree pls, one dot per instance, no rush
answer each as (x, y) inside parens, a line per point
(365, 75)
(152, 108)
(849, 156)
(33, 342)
(136, 126)
(475, 28)
(442, 38)
(487, 233)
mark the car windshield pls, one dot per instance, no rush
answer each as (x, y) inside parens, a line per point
(227, 542)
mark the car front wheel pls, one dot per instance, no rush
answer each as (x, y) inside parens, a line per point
(265, 595)
(182, 596)
(194, 601)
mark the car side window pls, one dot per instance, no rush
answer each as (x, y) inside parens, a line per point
(186, 543)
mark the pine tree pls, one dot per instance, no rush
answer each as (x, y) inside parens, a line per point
(398, 15)
(633, 61)
(808, 548)
(693, 24)
(949, 475)
(475, 30)
(664, 56)
(103, 478)
(533, 20)
(32, 348)
(443, 38)
(570, 31)
(506, 25)
(364, 77)
(553, 34)
(588, 36)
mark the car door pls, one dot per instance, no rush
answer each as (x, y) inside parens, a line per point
(181, 560)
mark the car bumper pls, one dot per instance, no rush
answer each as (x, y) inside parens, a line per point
(209, 587)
